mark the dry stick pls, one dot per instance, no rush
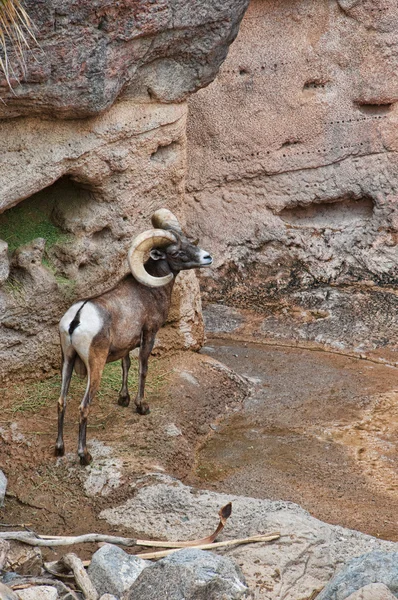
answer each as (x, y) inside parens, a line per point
(50, 540)
(83, 581)
(257, 538)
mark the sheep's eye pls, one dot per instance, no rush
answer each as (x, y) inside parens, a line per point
(174, 254)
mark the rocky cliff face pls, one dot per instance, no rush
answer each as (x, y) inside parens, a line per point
(293, 151)
(100, 143)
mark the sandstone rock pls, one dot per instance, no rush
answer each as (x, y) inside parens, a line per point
(293, 174)
(301, 563)
(114, 571)
(373, 591)
(376, 566)
(190, 574)
(42, 592)
(90, 186)
(3, 488)
(161, 50)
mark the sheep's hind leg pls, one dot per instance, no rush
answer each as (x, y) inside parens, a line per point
(147, 342)
(68, 361)
(124, 396)
(95, 366)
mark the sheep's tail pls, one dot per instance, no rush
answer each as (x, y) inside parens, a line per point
(80, 368)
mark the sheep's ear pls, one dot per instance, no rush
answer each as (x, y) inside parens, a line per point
(157, 254)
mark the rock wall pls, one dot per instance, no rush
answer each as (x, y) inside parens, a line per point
(98, 145)
(293, 171)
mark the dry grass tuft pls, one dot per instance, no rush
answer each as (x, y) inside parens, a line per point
(16, 31)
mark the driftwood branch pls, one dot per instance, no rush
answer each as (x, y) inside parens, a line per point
(249, 540)
(49, 541)
(83, 581)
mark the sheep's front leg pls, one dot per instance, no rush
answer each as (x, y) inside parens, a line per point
(147, 342)
(68, 360)
(124, 396)
(95, 367)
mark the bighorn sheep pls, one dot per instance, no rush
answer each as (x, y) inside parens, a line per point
(107, 327)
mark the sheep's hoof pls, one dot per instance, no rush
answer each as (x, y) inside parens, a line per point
(143, 409)
(59, 450)
(124, 400)
(86, 459)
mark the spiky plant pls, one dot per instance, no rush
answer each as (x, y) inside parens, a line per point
(16, 28)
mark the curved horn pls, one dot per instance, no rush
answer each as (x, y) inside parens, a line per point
(164, 219)
(141, 244)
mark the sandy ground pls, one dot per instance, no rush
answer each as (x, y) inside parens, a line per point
(58, 496)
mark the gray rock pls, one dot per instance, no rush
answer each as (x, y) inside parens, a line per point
(374, 567)
(190, 574)
(114, 571)
(3, 487)
(373, 591)
(108, 597)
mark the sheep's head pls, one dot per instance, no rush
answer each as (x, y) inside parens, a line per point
(166, 242)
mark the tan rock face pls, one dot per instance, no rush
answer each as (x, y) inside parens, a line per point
(293, 172)
(105, 178)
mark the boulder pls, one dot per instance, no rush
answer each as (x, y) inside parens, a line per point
(114, 571)
(374, 567)
(190, 574)
(38, 592)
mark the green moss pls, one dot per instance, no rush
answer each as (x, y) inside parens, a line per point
(29, 220)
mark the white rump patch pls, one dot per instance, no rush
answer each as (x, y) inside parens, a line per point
(85, 332)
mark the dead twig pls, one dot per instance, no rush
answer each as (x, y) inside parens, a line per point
(83, 581)
(249, 540)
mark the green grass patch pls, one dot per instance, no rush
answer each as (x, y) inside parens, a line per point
(33, 397)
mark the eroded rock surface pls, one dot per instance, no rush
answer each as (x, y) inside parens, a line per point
(293, 172)
(105, 176)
